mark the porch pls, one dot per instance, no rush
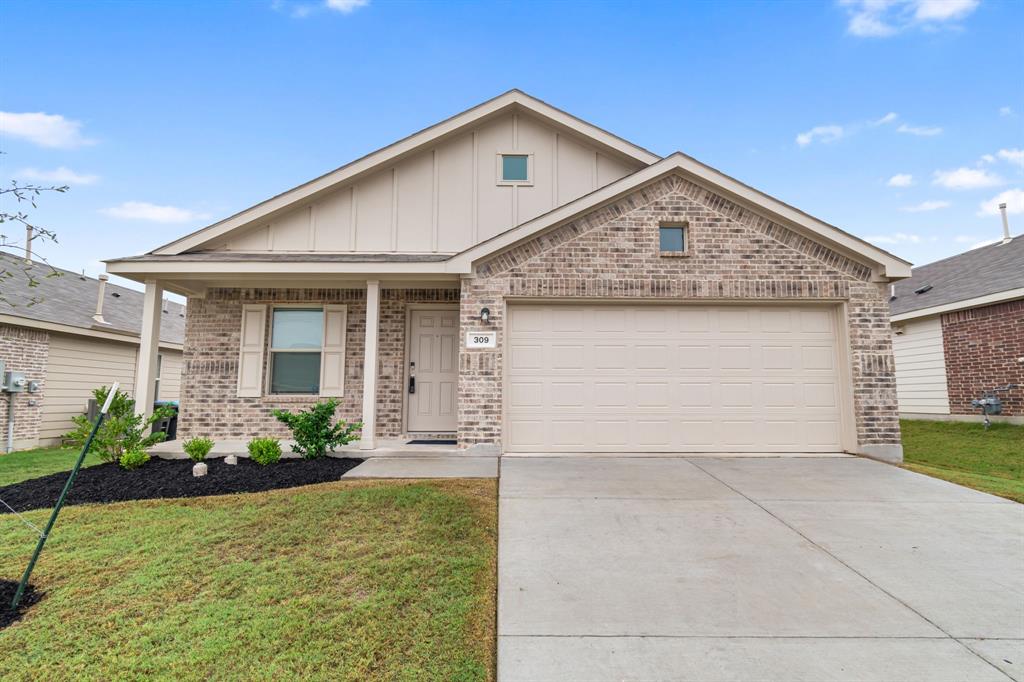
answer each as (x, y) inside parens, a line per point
(375, 332)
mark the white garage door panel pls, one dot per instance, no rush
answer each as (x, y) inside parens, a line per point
(672, 379)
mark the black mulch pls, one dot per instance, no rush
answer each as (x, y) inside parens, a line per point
(28, 598)
(162, 478)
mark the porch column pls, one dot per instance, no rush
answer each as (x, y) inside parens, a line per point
(369, 437)
(149, 345)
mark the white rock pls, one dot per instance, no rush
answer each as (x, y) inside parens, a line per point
(199, 469)
(231, 459)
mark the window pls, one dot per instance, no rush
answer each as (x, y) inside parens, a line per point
(296, 342)
(672, 239)
(514, 169)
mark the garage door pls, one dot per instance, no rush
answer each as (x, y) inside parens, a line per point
(604, 378)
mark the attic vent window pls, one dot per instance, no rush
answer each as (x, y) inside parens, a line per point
(672, 239)
(515, 169)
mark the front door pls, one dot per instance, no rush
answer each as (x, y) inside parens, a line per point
(433, 370)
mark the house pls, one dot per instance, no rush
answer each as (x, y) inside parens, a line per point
(958, 331)
(69, 335)
(521, 280)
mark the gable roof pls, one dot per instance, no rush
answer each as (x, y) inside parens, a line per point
(69, 301)
(887, 264)
(509, 101)
(991, 273)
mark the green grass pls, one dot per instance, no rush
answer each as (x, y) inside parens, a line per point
(348, 580)
(991, 461)
(20, 466)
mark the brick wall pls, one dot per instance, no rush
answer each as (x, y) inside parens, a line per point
(209, 402)
(734, 255)
(982, 347)
(24, 350)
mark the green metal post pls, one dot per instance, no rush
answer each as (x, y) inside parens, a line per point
(60, 500)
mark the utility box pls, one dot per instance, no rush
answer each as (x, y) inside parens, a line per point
(14, 382)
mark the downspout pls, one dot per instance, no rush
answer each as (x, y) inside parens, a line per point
(10, 422)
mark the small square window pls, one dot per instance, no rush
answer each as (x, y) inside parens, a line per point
(672, 239)
(515, 168)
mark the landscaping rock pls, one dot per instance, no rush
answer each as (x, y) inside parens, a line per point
(199, 469)
(231, 459)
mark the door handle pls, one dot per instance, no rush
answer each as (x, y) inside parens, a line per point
(412, 384)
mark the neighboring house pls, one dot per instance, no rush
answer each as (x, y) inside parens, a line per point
(958, 331)
(81, 333)
(521, 280)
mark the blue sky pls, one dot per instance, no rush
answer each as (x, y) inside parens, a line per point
(900, 121)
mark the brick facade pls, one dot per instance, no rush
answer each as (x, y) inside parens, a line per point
(982, 347)
(24, 350)
(209, 402)
(733, 255)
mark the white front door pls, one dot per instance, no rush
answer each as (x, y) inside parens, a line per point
(433, 370)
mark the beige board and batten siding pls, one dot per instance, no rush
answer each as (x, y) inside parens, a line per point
(919, 354)
(679, 378)
(77, 365)
(442, 200)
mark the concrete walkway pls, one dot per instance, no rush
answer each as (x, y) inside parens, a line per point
(754, 569)
(426, 467)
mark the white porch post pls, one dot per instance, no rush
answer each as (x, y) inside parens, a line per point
(145, 369)
(369, 437)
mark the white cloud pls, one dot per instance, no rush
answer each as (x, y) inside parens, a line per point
(920, 131)
(1013, 198)
(901, 180)
(925, 206)
(895, 238)
(141, 210)
(61, 176)
(966, 178)
(888, 118)
(826, 134)
(1006, 111)
(346, 6)
(884, 18)
(45, 130)
(1014, 156)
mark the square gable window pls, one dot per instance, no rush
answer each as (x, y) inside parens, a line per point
(515, 169)
(672, 239)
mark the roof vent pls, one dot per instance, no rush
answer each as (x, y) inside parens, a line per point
(1006, 224)
(892, 292)
(923, 290)
(98, 315)
(116, 295)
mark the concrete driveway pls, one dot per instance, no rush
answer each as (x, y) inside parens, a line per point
(819, 568)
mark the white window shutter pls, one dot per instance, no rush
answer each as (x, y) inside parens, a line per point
(250, 352)
(332, 362)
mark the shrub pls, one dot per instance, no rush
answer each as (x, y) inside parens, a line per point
(122, 431)
(265, 450)
(133, 459)
(313, 432)
(197, 448)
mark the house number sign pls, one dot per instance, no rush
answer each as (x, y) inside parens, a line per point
(480, 339)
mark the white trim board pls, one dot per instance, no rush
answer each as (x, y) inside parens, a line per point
(988, 299)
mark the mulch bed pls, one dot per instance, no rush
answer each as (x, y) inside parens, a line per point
(164, 478)
(28, 598)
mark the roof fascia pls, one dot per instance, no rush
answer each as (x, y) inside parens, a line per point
(889, 265)
(977, 302)
(113, 335)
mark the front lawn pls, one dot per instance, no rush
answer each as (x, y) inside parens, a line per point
(350, 580)
(963, 452)
(26, 464)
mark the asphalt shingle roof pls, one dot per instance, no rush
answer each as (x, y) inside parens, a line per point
(71, 299)
(979, 272)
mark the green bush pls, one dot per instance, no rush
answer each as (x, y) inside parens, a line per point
(197, 448)
(265, 450)
(122, 431)
(313, 432)
(133, 459)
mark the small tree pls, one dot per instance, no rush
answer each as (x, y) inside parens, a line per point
(122, 431)
(12, 267)
(313, 432)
